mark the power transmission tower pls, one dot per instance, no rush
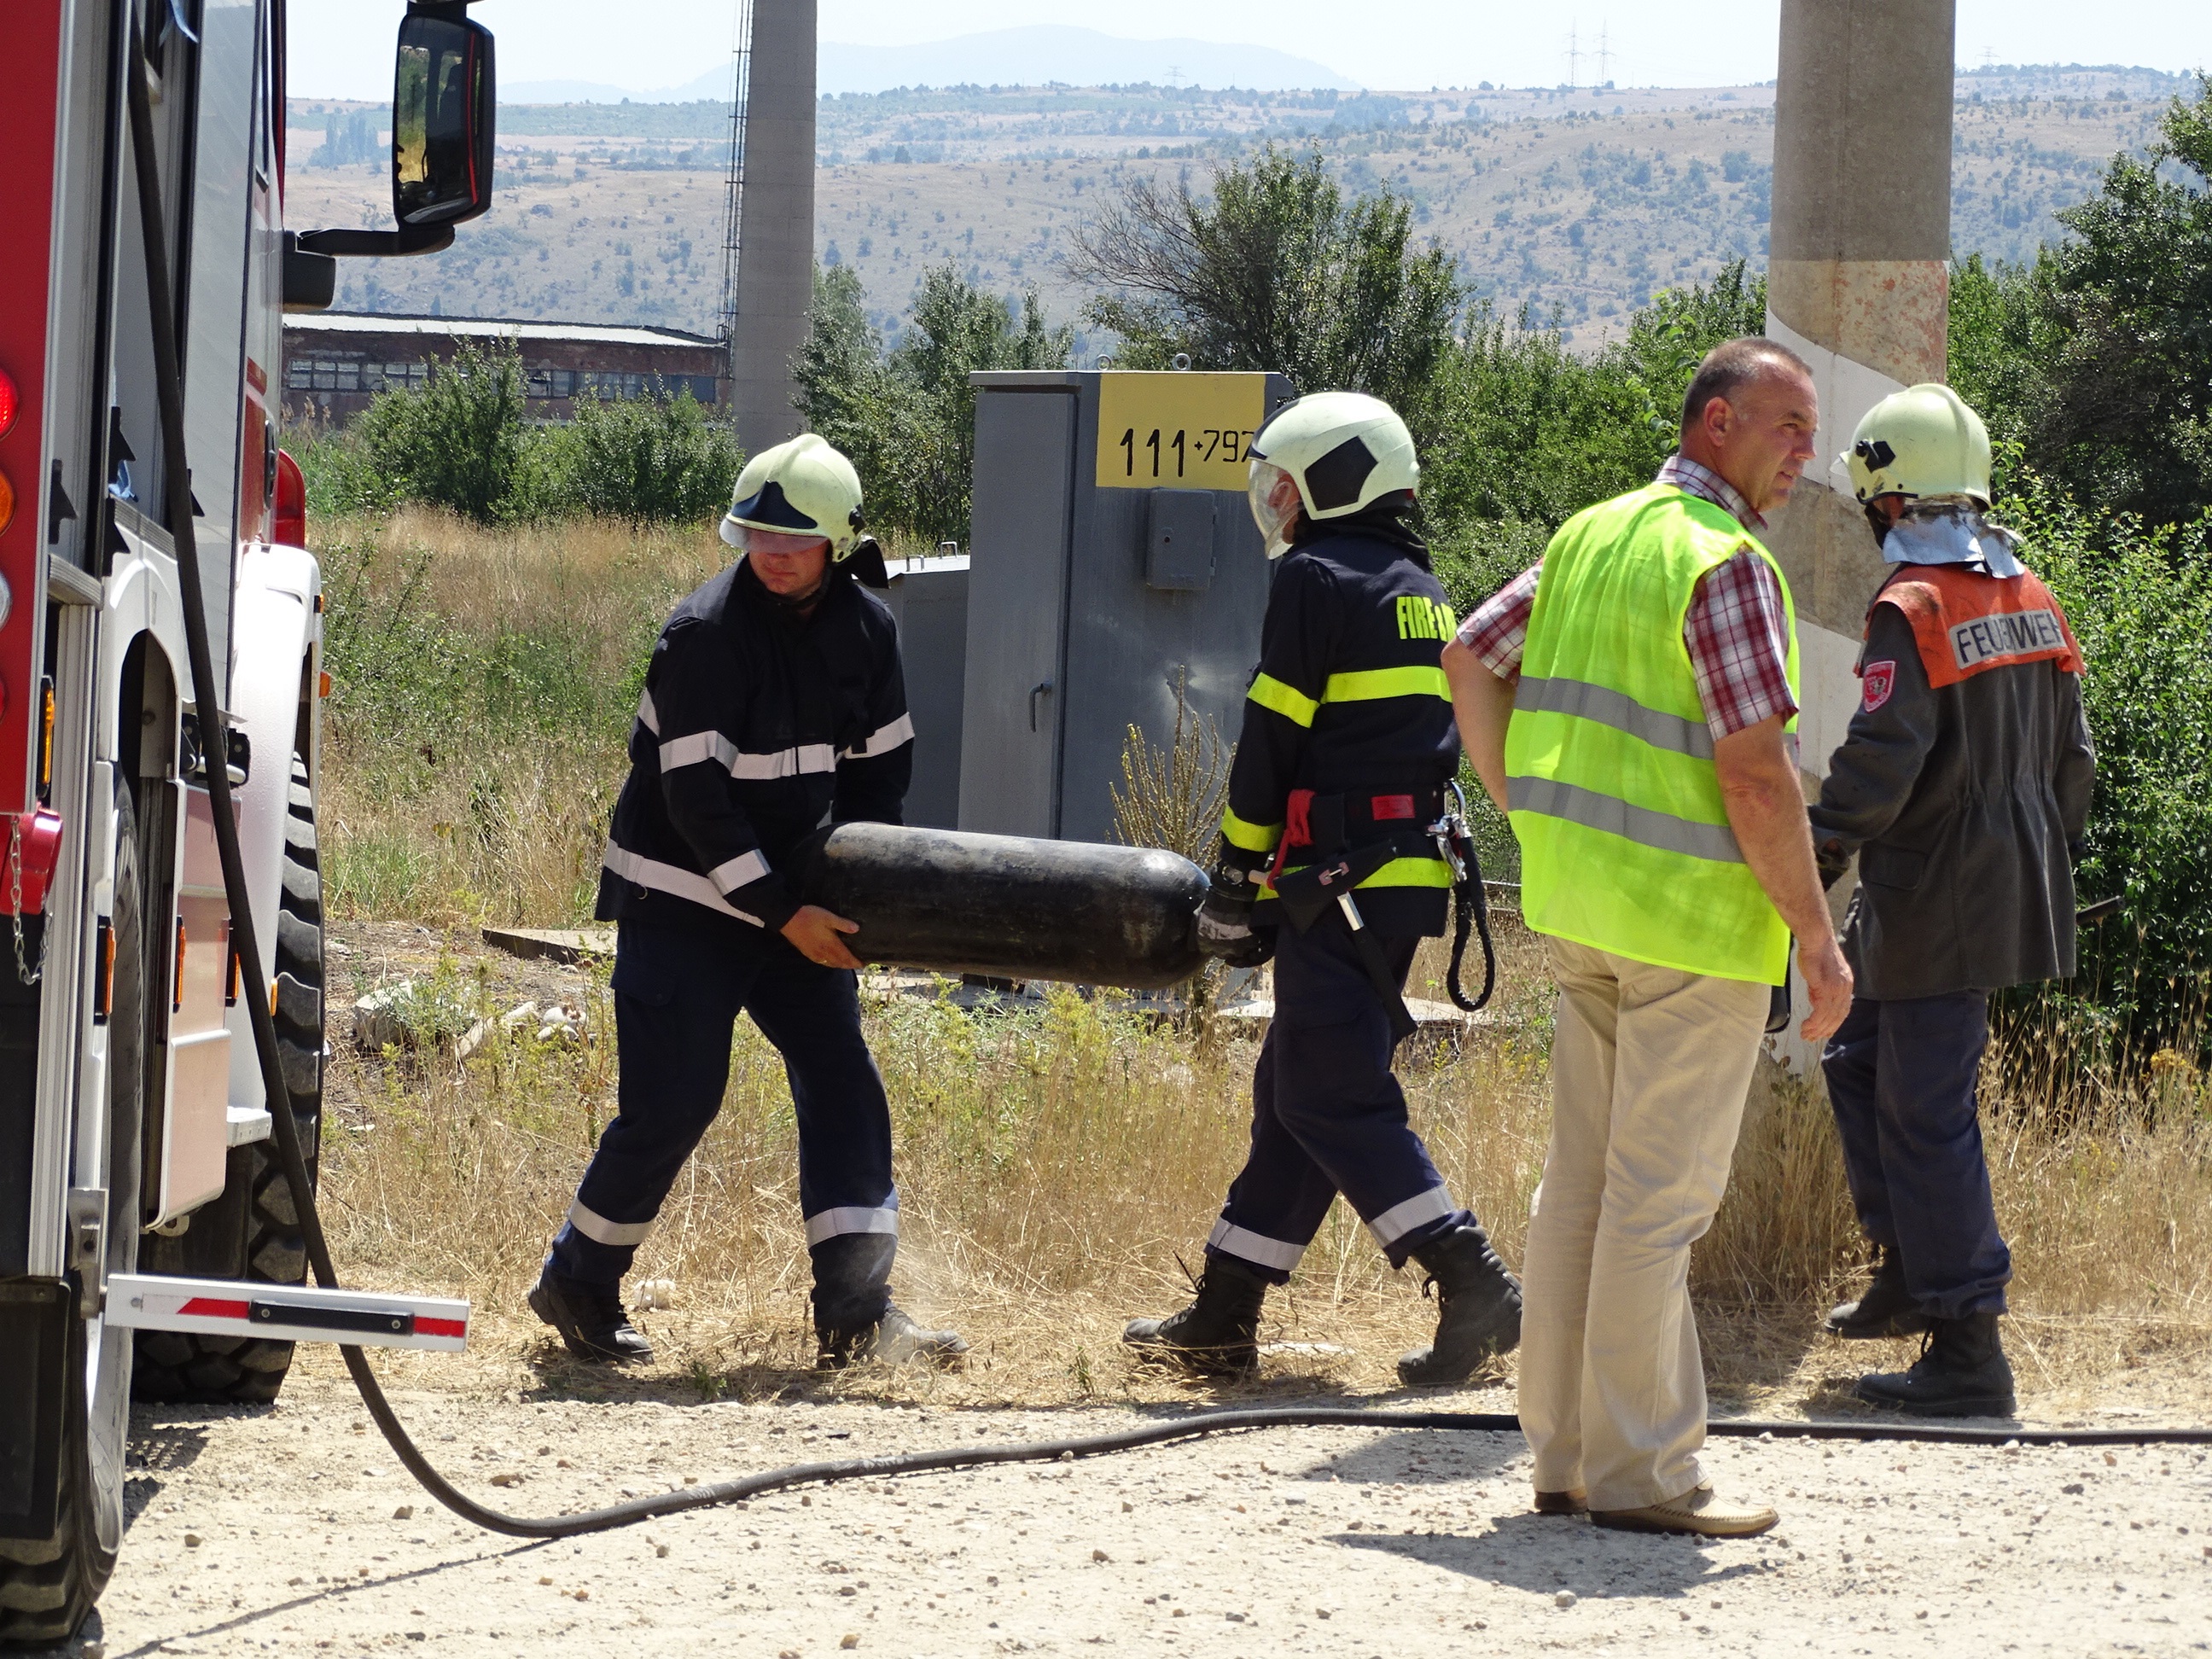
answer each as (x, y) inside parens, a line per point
(1574, 57)
(1605, 55)
(741, 56)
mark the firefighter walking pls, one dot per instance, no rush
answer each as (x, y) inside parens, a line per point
(1964, 778)
(1347, 746)
(774, 704)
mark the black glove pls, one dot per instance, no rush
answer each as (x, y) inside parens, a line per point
(1225, 922)
(1833, 860)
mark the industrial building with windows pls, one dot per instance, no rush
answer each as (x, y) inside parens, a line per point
(337, 361)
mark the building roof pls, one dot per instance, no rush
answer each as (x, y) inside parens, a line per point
(390, 322)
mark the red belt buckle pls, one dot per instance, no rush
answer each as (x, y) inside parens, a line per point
(1384, 808)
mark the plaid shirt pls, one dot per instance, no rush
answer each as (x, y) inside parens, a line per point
(1736, 629)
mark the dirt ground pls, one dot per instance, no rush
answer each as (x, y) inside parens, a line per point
(293, 1530)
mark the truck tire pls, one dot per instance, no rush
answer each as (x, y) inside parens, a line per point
(48, 1585)
(253, 1231)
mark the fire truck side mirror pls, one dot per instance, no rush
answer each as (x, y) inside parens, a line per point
(443, 117)
(443, 107)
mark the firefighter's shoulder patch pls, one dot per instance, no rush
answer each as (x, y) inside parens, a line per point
(1878, 680)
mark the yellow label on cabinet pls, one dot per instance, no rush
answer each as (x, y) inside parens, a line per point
(1177, 430)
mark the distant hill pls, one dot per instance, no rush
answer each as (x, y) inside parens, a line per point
(1041, 55)
(1578, 204)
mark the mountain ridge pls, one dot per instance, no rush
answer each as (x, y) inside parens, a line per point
(1036, 54)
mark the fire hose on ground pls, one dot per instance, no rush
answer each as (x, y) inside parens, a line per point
(1140, 952)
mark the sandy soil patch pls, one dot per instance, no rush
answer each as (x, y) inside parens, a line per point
(293, 1530)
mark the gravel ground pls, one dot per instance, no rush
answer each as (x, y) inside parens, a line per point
(293, 1530)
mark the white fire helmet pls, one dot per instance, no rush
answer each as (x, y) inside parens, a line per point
(1922, 441)
(797, 488)
(1344, 451)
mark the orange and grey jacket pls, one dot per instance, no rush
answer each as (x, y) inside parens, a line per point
(1963, 782)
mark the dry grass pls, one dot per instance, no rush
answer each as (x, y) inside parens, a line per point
(1057, 1164)
(484, 683)
(1054, 1163)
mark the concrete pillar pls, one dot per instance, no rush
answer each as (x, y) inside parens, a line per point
(1858, 285)
(775, 225)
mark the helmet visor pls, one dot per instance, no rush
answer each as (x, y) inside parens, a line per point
(1274, 499)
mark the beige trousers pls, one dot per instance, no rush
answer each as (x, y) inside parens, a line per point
(1650, 1069)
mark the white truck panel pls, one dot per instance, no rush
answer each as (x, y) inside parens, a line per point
(275, 646)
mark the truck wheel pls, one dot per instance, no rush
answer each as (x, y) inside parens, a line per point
(253, 1231)
(48, 1585)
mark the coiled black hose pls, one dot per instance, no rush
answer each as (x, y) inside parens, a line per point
(255, 994)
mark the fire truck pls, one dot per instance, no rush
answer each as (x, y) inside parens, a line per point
(150, 1244)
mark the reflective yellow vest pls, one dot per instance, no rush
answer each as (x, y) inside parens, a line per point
(1624, 843)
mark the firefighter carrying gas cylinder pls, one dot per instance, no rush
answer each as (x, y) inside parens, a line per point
(1329, 860)
(774, 704)
(1961, 786)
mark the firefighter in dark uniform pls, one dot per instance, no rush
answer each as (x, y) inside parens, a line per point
(1348, 742)
(774, 705)
(1962, 788)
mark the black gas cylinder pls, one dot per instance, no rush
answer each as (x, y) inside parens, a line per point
(1010, 907)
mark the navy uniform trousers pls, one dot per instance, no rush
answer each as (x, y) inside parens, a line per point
(1901, 1080)
(1328, 1117)
(677, 994)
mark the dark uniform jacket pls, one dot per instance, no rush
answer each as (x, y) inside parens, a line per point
(1965, 777)
(756, 728)
(1349, 700)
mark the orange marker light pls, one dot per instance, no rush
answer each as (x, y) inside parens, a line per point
(177, 979)
(7, 501)
(10, 402)
(324, 684)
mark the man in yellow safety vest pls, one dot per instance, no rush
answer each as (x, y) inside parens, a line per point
(1630, 701)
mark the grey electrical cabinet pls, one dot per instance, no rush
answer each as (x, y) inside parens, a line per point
(1113, 559)
(929, 597)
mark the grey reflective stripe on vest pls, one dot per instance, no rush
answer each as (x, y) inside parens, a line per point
(1575, 805)
(1621, 711)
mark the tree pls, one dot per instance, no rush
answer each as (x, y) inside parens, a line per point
(2097, 359)
(907, 419)
(1533, 433)
(1274, 270)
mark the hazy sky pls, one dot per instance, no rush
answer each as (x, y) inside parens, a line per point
(342, 48)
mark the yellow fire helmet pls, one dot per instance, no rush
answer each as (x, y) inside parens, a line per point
(1344, 451)
(800, 487)
(1923, 441)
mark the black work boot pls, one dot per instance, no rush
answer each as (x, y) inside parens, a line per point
(893, 1339)
(1962, 1372)
(855, 1319)
(1479, 1312)
(1885, 1309)
(1219, 1335)
(589, 1317)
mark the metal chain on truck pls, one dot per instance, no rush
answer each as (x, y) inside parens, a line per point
(24, 974)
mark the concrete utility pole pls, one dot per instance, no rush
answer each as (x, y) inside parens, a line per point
(1859, 286)
(775, 239)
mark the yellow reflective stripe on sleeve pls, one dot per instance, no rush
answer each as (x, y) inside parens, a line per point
(1371, 684)
(1289, 702)
(1250, 838)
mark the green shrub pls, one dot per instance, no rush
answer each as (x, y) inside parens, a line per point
(646, 459)
(459, 442)
(2141, 604)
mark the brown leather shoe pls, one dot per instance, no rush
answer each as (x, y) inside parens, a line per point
(1697, 1511)
(1573, 1501)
